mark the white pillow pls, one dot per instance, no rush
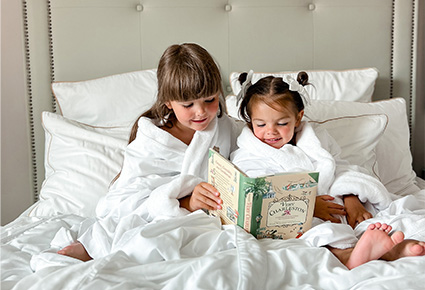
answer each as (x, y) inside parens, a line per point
(80, 162)
(109, 101)
(232, 108)
(348, 85)
(357, 136)
(394, 159)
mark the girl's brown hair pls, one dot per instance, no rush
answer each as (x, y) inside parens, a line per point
(185, 72)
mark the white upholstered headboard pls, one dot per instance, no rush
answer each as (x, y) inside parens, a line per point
(71, 40)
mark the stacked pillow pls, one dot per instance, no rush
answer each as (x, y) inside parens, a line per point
(80, 162)
(85, 144)
(108, 101)
(347, 85)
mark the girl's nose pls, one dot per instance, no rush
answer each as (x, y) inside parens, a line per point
(271, 129)
(200, 110)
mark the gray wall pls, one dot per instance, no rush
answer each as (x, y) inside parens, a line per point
(16, 186)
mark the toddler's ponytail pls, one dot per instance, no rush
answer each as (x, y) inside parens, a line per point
(302, 78)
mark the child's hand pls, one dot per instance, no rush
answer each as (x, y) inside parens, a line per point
(325, 210)
(356, 212)
(204, 196)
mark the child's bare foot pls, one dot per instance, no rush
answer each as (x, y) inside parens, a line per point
(374, 243)
(76, 250)
(407, 248)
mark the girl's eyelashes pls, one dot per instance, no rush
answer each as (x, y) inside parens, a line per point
(260, 125)
(190, 104)
(187, 105)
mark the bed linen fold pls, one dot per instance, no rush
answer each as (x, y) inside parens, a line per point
(195, 252)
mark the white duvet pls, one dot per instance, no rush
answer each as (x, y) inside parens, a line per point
(194, 252)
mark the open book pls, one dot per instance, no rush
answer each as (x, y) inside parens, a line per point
(276, 206)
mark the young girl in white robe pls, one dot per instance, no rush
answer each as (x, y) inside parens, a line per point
(165, 163)
(276, 139)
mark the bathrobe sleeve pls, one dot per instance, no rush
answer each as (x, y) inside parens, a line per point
(148, 164)
(353, 179)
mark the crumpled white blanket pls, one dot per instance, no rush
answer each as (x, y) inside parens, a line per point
(194, 252)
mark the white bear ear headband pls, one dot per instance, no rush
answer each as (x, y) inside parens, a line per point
(294, 86)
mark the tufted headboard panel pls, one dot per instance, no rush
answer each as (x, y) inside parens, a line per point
(72, 40)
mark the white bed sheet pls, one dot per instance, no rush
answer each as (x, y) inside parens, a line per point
(194, 252)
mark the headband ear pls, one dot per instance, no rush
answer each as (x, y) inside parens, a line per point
(295, 86)
(245, 85)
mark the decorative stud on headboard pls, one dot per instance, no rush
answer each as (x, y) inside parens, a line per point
(228, 7)
(311, 7)
(139, 8)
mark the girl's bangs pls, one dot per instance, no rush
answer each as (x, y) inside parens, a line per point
(185, 84)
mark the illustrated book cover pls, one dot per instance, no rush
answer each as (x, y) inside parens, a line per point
(277, 206)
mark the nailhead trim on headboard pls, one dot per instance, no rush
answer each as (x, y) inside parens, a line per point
(392, 51)
(30, 102)
(52, 61)
(412, 59)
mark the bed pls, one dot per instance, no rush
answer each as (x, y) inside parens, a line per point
(95, 75)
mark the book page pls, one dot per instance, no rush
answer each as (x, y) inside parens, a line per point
(287, 209)
(225, 178)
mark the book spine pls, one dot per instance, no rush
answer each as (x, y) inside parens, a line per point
(241, 204)
(251, 204)
(248, 212)
(256, 216)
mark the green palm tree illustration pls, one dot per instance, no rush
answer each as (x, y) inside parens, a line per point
(258, 187)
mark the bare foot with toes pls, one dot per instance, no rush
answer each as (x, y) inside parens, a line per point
(407, 248)
(373, 244)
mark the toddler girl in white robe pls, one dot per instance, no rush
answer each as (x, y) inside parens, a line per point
(276, 139)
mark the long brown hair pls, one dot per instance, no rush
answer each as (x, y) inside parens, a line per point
(185, 72)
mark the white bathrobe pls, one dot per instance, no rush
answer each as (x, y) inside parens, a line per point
(158, 170)
(315, 150)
